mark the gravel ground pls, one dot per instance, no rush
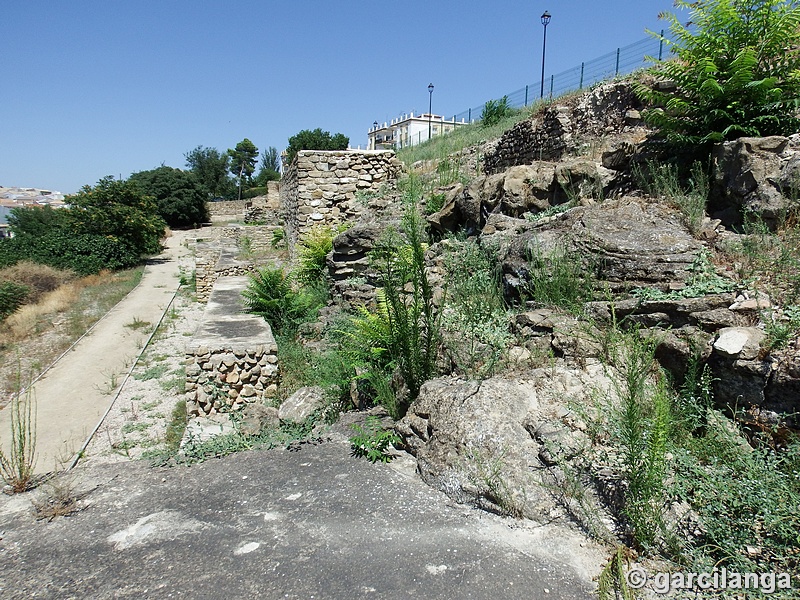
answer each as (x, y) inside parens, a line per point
(138, 419)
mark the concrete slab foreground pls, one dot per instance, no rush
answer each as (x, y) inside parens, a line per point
(306, 522)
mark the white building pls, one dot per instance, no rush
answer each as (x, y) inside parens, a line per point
(409, 130)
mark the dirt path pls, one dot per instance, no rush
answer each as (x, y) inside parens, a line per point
(75, 393)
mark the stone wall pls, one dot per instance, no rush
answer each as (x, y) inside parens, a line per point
(322, 187)
(225, 378)
(217, 258)
(232, 358)
(230, 208)
(566, 128)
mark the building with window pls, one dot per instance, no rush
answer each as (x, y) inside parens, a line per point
(409, 130)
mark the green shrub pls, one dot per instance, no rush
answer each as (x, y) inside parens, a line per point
(372, 441)
(643, 424)
(255, 191)
(269, 293)
(12, 295)
(414, 320)
(475, 313)
(314, 248)
(736, 73)
(495, 111)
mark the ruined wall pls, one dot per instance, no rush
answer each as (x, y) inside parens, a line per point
(321, 187)
(226, 377)
(236, 208)
(217, 258)
(566, 127)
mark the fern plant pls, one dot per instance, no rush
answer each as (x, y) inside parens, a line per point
(736, 72)
(269, 293)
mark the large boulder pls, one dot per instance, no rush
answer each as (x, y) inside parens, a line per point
(635, 242)
(756, 176)
(626, 242)
(298, 407)
(492, 443)
(582, 178)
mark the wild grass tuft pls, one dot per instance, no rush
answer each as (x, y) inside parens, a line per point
(689, 196)
(559, 278)
(17, 466)
(474, 320)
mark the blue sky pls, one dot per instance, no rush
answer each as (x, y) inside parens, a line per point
(93, 88)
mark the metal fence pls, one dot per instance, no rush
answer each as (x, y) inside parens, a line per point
(619, 62)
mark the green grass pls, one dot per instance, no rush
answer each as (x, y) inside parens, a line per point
(440, 147)
(154, 372)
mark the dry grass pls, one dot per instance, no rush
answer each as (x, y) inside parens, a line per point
(26, 321)
(60, 499)
(34, 336)
(39, 279)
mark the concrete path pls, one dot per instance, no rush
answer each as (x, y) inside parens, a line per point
(307, 522)
(75, 393)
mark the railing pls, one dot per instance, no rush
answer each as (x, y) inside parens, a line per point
(619, 62)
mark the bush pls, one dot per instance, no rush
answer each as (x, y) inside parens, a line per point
(255, 191)
(495, 111)
(736, 73)
(12, 295)
(475, 314)
(414, 320)
(85, 254)
(270, 295)
(38, 278)
(314, 248)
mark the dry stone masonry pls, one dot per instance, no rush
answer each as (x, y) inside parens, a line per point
(232, 359)
(323, 188)
(562, 129)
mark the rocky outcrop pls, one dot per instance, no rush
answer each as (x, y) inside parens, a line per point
(635, 242)
(298, 407)
(493, 443)
(759, 176)
(626, 243)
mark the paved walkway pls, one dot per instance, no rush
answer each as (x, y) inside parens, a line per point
(75, 393)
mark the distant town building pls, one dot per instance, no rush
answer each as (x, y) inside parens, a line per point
(409, 130)
(16, 197)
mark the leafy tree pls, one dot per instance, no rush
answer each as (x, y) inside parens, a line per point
(269, 168)
(35, 220)
(243, 162)
(118, 209)
(180, 196)
(108, 226)
(315, 140)
(736, 72)
(210, 166)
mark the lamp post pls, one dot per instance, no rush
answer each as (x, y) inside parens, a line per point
(545, 21)
(430, 104)
(374, 135)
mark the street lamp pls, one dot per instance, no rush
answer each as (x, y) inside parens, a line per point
(374, 135)
(545, 21)
(430, 104)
